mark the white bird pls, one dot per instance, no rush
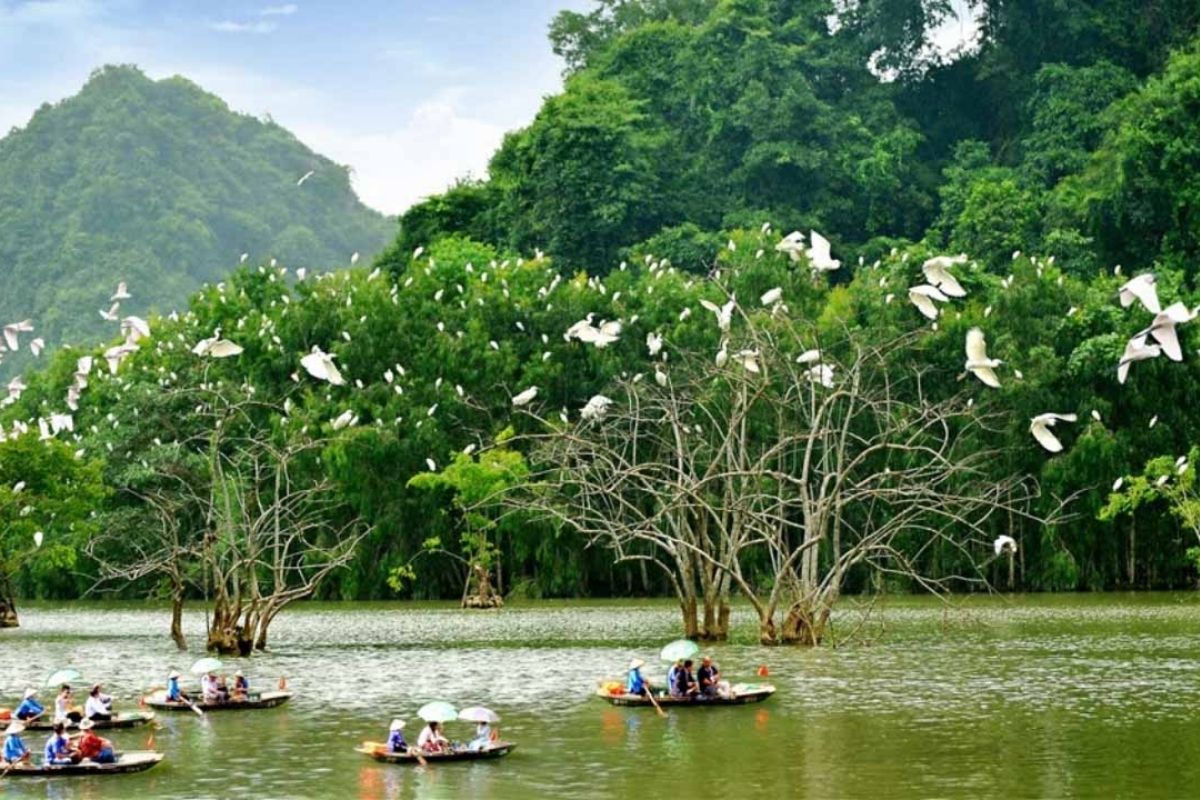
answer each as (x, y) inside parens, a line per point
(525, 398)
(134, 329)
(1004, 542)
(809, 357)
(723, 313)
(1162, 329)
(12, 331)
(937, 272)
(429, 462)
(923, 297)
(38, 538)
(18, 487)
(1040, 427)
(37, 346)
(596, 408)
(749, 360)
(115, 355)
(1117, 484)
(305, 177)
(15, 387)
(347, 419)
(216, 347)
(654, 343)
(772, 296)
(660, 377)
(722, 355)
(122, 293)
(819, 256)
(111, 314)
(354, 258)
(792, 244)
(977, 361)
(1136, 349)
(320, 365)
(1143, 289)
(822, 374)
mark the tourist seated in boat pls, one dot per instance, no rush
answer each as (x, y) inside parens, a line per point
(94, 748)
(30, 708)
(15, 751)
(396, 742)
(65, 709)
(241, 688)
(708, 678)
(483, 738)
(58, 751)
(431, 739)
(683, 682)
(174, 693)
(98, 707)
(635, 682)
(210, 688)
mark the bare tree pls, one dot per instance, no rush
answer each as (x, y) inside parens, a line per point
(776, 470)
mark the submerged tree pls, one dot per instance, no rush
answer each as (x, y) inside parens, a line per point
(777, 469)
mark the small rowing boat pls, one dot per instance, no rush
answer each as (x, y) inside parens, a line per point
(135, 761)
(130, 720)
(379, 751)
(740, 694)
(255, 701)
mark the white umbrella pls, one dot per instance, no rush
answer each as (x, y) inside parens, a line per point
(478, 714)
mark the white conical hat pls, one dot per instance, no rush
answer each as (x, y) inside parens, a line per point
(14, 727)
(636, 663)
(397, 725)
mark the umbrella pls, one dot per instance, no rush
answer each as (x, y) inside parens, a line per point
(679, 649)
(65, 675)
(437, 711)
(478, 714)
(206, 665)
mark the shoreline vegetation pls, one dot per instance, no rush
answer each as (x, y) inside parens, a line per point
(699, 335)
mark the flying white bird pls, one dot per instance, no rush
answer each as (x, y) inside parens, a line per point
(1143, 289)
(937, 272)
(749, 360)
(13, 330)
(772, 296)
(37, 346)
(723, 313)
(216, 347)
(977, 361)
(1040, 427)
(1136, 349)
(819, 256)
(1004, 542)
(525, 398)
(134, 329)
(923, 298)
(111, 314)
(1162, 329)
(320, 365)
(122, 293)
(115, 355)
(792, 244)
(305, 177)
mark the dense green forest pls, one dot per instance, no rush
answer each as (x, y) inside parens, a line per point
(160, 185)
(1058, 151)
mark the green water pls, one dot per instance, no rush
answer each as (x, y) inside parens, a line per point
(1079, 696)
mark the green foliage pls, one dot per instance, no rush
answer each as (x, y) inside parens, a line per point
(158, 184)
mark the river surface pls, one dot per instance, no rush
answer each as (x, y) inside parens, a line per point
(1068, 696)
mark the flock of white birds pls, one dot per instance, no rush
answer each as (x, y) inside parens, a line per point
(941, 288)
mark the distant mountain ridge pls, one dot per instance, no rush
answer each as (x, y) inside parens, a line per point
(161, 185)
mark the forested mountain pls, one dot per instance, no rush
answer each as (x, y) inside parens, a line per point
(159, 184)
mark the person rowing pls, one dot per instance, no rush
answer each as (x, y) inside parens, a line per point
(174, 693)
(30, 709)
(58, 751)
(94, 748)
(635, 682)
(15, 751)
(98, 707)
(431, 739)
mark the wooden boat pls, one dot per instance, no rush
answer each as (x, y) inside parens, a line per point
(379, 752)
(743, 694)
(130, 720)
(255, 701)
(134, 761)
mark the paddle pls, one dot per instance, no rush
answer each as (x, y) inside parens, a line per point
(653, 702)
(382, 749)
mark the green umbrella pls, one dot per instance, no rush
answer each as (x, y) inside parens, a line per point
(437, 711)
(206, 665)
(65, 675)
(679, 649)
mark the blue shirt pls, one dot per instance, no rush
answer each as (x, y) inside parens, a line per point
(14, 748)
(396, 742)
(56, 749)
(29, 708)
(673, 679)
(173, 689)
(635, 683)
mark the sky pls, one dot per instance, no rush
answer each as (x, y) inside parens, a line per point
(412, 94)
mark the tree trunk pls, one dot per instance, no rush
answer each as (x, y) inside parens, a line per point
(177, 620)
(687, 607)
(1131, 563)
(805, 624)
(485, 596)
(8, 605)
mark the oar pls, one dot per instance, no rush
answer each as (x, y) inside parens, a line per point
(653, 702)
(191, 705)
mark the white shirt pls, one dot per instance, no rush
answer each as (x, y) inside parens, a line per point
(209, 688)
(95, 706)
(428, 738)
(62, 705)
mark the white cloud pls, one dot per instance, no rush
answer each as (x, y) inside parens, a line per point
(285, 10)
(229, 26)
